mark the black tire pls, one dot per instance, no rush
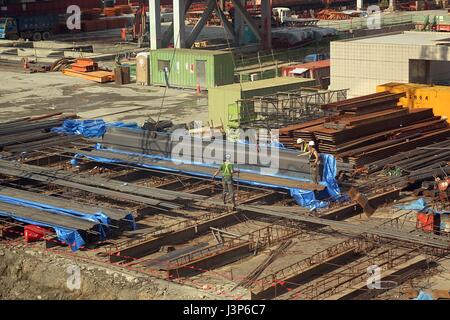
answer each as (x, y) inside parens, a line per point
(27, 35)
(37, 36)
(46, 35)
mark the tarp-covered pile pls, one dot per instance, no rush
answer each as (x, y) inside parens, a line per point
(305, 198)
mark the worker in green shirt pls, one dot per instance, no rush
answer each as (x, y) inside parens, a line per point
(227, 170)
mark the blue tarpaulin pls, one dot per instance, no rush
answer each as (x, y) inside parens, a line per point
(71, 237)
(419, 205)
(90, 128)
(98, 217)
(307, 199)
(423, 296)
(329, 176)
(304, 198)
(276, 144)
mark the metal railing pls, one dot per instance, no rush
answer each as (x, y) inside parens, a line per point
(283, 108)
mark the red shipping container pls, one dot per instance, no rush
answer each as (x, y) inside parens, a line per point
(34, 233)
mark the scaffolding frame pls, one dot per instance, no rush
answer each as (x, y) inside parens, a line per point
(284, 108)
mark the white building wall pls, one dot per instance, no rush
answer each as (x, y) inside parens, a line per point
(361, 66)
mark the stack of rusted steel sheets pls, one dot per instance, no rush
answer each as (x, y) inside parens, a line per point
(289, 135)
(365, 129)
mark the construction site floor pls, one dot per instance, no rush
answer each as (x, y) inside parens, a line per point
(24, 94)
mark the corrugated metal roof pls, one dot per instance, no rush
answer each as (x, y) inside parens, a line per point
(313, 65)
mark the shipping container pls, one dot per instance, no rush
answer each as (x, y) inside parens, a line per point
(318, 70)
(191, 68)
(223, 106)
(421, 96)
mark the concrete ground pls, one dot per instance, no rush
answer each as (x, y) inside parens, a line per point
(23, 94)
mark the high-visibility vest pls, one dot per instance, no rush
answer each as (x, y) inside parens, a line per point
(305, 147)
(227, 169)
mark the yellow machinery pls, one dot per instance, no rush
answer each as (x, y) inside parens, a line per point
(421, 96)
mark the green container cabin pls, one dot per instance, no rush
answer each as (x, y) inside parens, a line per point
(189, 68)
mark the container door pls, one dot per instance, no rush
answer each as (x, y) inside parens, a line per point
(200, 71)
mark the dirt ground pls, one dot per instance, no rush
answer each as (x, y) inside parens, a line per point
(29, 273)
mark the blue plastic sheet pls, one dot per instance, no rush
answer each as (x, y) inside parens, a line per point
(307, 199)
(329, 178)
(129, 217)
(90, 128)
(276, 144)
(423, 296)
(68, 236)
(419, 205)
(98, 217)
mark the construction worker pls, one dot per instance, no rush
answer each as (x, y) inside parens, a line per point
(227, 170)
(314, 162)
(302, 145)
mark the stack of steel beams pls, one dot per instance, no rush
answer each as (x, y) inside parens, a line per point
(369, 128)
(32, 133)
(118, 218)
(195, 151)
(290, 134)
(199, 170)
(164, 199)
(87, 229)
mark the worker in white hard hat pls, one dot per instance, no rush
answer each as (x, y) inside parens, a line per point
(227, 170)
(302, 145)
(314, 162)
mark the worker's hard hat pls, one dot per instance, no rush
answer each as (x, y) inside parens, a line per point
(228, 156)
(311, 143)
(300, 140)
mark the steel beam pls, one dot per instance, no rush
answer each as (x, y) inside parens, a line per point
(391, 278)
(266, 14)
(283, 285)
(168, 34)
(226, 24)
(99, 191)
(204, 263)
(201, 23)
(248, 19)
(147, 247)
